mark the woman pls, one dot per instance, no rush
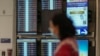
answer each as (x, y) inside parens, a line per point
(63, 28)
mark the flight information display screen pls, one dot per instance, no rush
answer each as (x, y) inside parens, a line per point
(46, 16)
(77, 11)
(49, 9)
(27, 16)
(51, 4)
(49, 45)
(26, 47)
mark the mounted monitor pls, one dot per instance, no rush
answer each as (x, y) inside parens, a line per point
(49, 45)
(26, 16)
(49, 9)
(51, 4)
(77, 11)
(26, 47)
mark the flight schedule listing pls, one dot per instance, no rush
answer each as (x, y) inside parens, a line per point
(77, 11)
(49, 9)
(27, 16)
(51, 4)
(48, 47)
(26, 47)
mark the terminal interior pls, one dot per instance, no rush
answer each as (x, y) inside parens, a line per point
(24, 26)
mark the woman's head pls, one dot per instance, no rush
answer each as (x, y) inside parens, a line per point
(62, 26)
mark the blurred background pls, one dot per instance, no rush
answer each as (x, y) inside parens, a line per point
(24, 26)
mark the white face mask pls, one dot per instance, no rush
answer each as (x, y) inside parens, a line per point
(53, 35)
(51, 30)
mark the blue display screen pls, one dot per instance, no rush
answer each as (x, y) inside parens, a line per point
(77, 11)
(83, 47)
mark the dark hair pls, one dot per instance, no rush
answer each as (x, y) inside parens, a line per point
(66, 27)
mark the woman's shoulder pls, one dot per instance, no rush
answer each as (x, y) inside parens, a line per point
(70, 44)
(67, 50)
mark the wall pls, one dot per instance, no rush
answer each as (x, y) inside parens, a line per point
(92, 7)
(6, 24)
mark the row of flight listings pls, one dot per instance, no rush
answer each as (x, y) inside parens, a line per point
(77, 10)
(46, 47)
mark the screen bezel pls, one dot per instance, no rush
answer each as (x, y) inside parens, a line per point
(23, 32)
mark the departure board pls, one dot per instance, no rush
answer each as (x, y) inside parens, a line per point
(49, 9)
(27, 16)
(26, 47)
(46, 16)
(51, 4)
(49, 45)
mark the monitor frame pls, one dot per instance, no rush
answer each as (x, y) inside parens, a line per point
(23, 32)
(28, 38)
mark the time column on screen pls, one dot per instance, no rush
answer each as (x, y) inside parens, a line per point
(54, 45)
(20, 49)
(44, 49)
(31, 49)
(21, 15)
(58, 4)
(32, 15)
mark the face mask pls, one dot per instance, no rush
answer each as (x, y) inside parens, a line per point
(53, 35)
(51, 31)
